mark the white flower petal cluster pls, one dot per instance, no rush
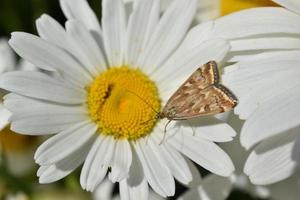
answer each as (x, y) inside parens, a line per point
(267, 85)
(165, 50)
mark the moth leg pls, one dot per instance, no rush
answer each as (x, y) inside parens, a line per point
(193, 130)
(165, 132)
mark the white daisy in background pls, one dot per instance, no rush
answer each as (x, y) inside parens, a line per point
(91, 105)
(267, 87)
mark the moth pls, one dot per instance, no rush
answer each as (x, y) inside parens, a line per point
(201, 94)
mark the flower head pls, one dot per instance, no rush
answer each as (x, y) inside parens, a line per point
(106, 87)
(108, 83)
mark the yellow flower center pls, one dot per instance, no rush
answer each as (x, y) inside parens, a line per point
(123, 102)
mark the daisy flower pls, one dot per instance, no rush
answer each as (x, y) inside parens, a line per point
(267, 87)
(102, 104)
(111, 81)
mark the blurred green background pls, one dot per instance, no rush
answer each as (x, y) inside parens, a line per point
(20, 15)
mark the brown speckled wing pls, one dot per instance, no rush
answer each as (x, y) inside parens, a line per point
(200, 95)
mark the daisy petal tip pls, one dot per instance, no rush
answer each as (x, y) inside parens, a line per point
(229, 171)
(42, 180)
(40, 161)
(254, 180)
(16, 34)
(82, 185)
(11, 40)
(14, 38)
(246, 169)
(245, 142)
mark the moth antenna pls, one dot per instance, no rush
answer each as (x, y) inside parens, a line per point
(145, 122)
(144, 102)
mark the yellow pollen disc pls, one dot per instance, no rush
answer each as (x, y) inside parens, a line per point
(123, 102)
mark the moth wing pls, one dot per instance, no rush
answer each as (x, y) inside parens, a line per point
(201, 102)
(203, 77)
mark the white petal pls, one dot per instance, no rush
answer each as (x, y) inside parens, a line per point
(121, 161)
(87, 49)
(65, 143)
(185, 61)
(137, 192)
(136, 173)
(176, 163)
(4, 116)
(7, 57)
(245, 23)
(253, 79)
(48, 56)
(51, 30)
(97, 162)
(272, 161)
(104, 191)
(41, 170)
(289, 4)
(267, 120)
(82, 12)
(279, 55)
(78, 41)
(155, 168)
(208, 128)
(168, 34)
(41, 86)
(114, 31)
(43, 125)
(24, 65)
(265, 43)
(141, 25)
(57, 171)
(23, 107)
(212, 188)
(205, 153)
